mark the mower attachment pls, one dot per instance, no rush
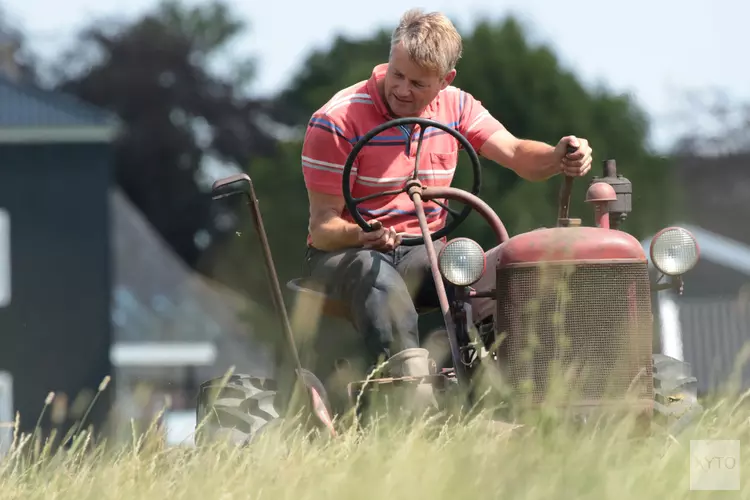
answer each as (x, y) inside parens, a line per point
(242, 184)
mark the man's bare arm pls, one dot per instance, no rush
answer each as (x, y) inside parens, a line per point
(531, 160)
(328, 230)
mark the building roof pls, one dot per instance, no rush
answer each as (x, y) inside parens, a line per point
(158, 298)
(32, 114)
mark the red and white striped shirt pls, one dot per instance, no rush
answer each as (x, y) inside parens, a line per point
(387, 161)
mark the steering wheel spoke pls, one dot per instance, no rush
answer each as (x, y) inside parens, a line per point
(372, 196)
(415, 175)
(451, 211)
(457, 216)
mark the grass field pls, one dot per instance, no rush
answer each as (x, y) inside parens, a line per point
(458, 460)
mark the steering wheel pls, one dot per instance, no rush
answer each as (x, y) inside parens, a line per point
(458, 217)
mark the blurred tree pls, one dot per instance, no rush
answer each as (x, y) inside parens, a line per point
(526, 88)
(17, 62)
(713, 123)
(325, 71)
(181, 119)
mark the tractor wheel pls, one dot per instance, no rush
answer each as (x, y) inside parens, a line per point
(242, 408)
(675, 394)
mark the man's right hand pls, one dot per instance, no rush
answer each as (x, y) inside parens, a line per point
(382, 239)
(330, 232)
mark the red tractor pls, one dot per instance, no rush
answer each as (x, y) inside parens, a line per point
(571, 297)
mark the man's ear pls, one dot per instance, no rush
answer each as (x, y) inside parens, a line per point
(449, 78)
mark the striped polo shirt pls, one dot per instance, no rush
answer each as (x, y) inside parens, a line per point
(387, 161)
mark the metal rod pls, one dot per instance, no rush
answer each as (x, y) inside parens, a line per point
(440, 288)
(273, 279)
(451, 193)
(564, 207)
(601, 215)
(565, 190)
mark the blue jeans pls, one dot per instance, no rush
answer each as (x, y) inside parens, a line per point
(382, 290)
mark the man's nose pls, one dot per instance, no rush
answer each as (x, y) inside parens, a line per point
(403, 91)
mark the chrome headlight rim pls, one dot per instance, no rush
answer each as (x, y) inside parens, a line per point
(683, 233)
(442, 263)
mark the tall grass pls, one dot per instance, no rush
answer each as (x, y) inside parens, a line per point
(457, 459)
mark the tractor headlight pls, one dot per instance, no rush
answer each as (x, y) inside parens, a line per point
(674, 251)
(462, 261)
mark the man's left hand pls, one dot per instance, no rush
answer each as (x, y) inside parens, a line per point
(578, 163)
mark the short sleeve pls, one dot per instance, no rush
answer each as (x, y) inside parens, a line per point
(324, 153)
(476, 123)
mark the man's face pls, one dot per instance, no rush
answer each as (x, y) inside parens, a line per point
(407, 88)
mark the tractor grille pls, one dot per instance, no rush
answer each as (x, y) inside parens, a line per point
(579, 331)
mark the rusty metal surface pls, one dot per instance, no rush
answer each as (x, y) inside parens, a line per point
(600, 192)
(439, 381)
(642, 407)
(622, 186)
(489, 215)
(601, 217)
(442, 296)
(569, 222)
(595, 317)
(484, 307)
(570, 244)
(564, 202)
(231, 185)
(565, 190)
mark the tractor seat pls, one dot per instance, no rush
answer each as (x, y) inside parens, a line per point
(305, 287)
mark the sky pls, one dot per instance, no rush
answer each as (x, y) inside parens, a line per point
(658, 51)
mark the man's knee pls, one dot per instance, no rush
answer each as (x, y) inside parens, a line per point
(380, 304)
(354, 274)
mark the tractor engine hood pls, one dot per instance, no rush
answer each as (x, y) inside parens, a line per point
(558, 244)
(565, 244)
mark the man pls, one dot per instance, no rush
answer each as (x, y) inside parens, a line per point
(380, 279)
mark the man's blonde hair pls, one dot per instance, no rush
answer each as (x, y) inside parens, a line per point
(430, 40)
